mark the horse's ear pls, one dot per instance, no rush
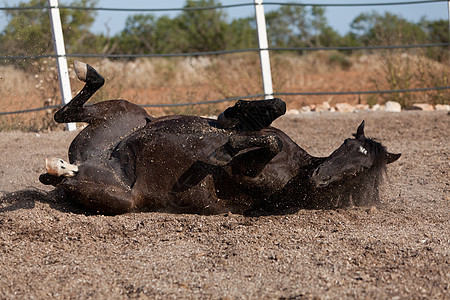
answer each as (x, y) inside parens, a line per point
(391, 157)
(360, 131)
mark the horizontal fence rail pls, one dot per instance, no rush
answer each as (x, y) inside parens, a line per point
(224, 6)
(206, 53)
(436, 88)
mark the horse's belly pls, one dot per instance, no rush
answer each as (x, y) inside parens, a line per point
(163, 159)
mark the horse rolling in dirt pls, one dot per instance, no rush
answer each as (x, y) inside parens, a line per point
(125, 161)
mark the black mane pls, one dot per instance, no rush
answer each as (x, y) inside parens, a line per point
(378, 150)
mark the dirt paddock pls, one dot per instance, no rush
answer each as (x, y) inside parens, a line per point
(397, 250)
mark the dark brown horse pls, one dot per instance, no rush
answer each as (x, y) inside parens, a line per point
(125, 160)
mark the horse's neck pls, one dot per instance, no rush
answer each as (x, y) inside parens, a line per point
(361, 190)
(368, 189)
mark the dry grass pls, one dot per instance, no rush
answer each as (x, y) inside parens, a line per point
(181, 80)
(406, 71)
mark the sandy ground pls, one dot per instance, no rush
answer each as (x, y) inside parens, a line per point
(398, 250)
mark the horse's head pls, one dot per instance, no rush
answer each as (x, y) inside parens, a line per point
(354, 157)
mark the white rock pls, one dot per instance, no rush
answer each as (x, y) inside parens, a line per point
(323, 107)
(376, 107)
(393, 106)
(306, 109)
(362, 107)
(344, 107)
(442, 107)
(293, 112)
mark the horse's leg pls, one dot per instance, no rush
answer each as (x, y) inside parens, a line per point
(250, 163)
(98, 197)
(109, 121)
(49, 179)
(243, 116)
(57, 169)
(192, 176)
(225, 154)
(252, 115)
(98, 189)
(74, 111)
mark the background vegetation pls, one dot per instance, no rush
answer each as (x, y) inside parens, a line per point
(174, 80)
(28, 31)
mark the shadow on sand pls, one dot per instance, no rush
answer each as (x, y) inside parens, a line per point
(27, 198)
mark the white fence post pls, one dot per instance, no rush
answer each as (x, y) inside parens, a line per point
(448, 6)
(263, 52)
(61, 61)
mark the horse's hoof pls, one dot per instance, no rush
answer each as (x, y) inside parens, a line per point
(81, 70)
(58, 167)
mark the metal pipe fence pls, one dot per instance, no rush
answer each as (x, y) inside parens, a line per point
(330, 4)
(206, 53)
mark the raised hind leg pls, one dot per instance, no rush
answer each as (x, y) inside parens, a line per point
(252, 115)
(73, 111)
(102, 112)
(109, 121)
